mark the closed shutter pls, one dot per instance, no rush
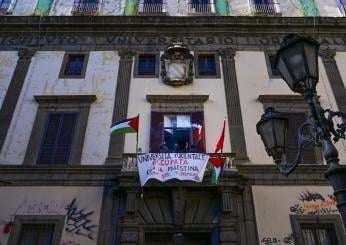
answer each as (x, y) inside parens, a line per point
(295, 120)
(197, 119)
(156, 127)
(57, 138)
(34, 234)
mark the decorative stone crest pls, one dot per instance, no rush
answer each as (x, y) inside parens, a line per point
(177, 65)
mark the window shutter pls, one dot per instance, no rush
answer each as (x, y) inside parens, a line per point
(36, 234)
(197, 118)
(295, 120)
(57, 139)
(156, 126)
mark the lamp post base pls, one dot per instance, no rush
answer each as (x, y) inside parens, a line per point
(336, 174)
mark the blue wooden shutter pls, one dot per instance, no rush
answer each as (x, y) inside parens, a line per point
(57, 138)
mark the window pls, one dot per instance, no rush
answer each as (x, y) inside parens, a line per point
(342, 7)
(265, 7)
(5, 6)
(74, 65)
(85, 7)
(318, 229)
(146, 65)
(207, 65)
(152, 7)
(59, 128)
(296, 110)
(177, 121)
(270, 60)
(57, 138)
(201, 7)
(37, 229)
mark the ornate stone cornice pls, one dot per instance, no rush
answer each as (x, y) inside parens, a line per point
(177, 98)
(327, 54)
(126, 54)
(26, 53)
(228, 53)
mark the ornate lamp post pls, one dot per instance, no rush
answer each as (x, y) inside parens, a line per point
(297, 61)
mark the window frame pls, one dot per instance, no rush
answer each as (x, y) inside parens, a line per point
(65, 61)
(269, 65)
(217, 64)
(177, 104)
(136, 65)
(291, 104)
(20, 220)
(298, 220)
(79, 104)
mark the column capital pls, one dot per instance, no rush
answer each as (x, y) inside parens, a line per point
(227, 53)
(327, 54)
(126, 54)
(26, 53)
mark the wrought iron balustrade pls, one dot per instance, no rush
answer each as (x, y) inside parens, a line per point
(130, 161)
(266, 9)
(5, 6)
(85, 7)
(152, 8)
(202, 8)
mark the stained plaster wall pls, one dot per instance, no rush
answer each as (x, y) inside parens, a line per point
(24, 7)
(214, 109)
(272, 208)
(327, 8)
(257, 82)
(8, 61)
(42, 79)
(57, 200)
(111, 7)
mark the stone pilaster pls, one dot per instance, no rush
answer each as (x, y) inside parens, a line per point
(116, 144)
(235, 121)
(334, 78)
(130, 232)
(14, 91)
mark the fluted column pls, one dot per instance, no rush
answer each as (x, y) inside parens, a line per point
(235, 121)
(116, 144)
(334, 78)
(13, 91)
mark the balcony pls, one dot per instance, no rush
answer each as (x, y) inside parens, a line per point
(5, 7)
(85, 7)
(152, 8)
(265, 8)
(130, 161)
(201, 7)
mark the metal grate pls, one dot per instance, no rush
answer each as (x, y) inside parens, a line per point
(36, 234)
(265, 7)
(319, 234)
(85, 7)
(152, 7)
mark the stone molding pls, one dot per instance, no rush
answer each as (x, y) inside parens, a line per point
(284, 98)
(65, 99)
(26, 53)
(327, 54)
(228, 53)
(177, 98)
(126, 54)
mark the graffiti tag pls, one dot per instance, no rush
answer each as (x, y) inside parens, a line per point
(78, 221)
(311, 196)
(270, 240)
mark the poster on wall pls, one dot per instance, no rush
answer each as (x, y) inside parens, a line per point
(167, 166)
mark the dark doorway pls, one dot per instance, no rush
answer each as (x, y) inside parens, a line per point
(187, 238)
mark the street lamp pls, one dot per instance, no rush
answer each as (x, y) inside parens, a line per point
(297, 61)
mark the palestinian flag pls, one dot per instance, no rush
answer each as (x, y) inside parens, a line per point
(216, 168)
(126, 126)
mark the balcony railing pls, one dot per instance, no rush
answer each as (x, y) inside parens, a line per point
(85, 7)
(130, 161)
(6, 7)
(201, 8)
(265, 9)
(342, 7)
(146, 8)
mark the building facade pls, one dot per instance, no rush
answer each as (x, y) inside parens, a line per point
(70, 69)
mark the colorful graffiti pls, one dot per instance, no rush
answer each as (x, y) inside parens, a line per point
(314, 203)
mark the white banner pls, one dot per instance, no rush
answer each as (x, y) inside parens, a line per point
(167, 166)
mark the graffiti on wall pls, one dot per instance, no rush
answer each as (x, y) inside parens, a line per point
(314, 203)
(78, 220)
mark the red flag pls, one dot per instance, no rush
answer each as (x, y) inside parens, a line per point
(219, 145)
(217, 161)
(134, 123)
